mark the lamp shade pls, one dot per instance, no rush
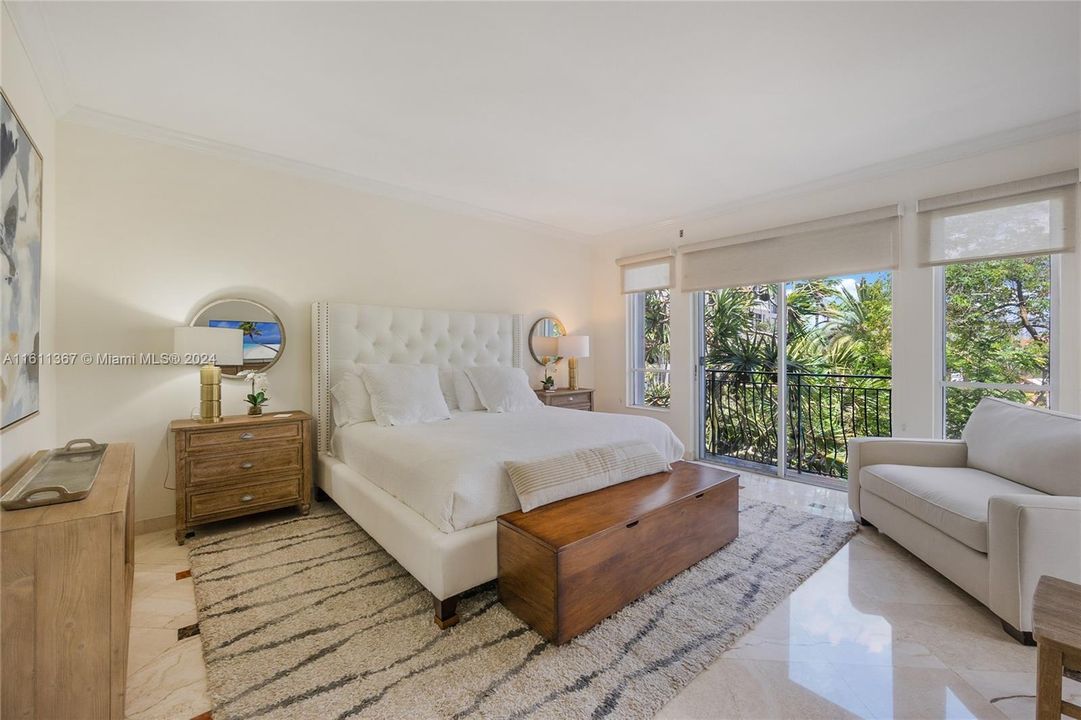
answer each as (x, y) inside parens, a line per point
(226, 345)
(573, 346)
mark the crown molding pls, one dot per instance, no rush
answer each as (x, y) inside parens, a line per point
(32, 27)
(153, 133)
(1063, 125)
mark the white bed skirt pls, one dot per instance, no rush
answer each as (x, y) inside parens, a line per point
(445, 563)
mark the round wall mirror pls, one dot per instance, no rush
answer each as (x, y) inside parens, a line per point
(542, 340)
(264, 334)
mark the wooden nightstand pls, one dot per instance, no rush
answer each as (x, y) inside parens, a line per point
(580, 399)
(241, 465)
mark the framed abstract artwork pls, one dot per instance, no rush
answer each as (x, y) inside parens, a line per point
(20, 244)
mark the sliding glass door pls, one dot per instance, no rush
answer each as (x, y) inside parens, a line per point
(740, 374)
(789, 372)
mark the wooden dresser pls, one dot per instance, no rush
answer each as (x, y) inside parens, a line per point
(65, 600)
(241, 465)
(580, 399)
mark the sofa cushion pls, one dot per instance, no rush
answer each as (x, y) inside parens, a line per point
(954, 500)
(1031, 446)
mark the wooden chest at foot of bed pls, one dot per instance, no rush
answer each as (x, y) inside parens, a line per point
(566, 566)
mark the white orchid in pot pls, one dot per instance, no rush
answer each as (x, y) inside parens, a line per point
(549, 382)
(260, 392)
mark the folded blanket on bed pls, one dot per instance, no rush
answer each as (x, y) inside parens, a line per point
(543, 481)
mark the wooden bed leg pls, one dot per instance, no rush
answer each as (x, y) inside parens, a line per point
(446, 611)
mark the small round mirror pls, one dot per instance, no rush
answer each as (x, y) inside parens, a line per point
(264, 334)
(542, 340)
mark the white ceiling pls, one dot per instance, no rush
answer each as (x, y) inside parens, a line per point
(584, 117)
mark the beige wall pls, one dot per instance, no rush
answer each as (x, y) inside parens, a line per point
(22, 89)
(149, 232)
(914, 345)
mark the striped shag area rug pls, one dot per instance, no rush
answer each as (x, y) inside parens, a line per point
(310, 618)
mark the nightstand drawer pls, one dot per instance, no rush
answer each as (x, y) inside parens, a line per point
(216, 439)
(203, 468)
(569, 400)
(575, 406)
(242, 499)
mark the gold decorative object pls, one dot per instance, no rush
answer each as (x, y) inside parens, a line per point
(210, 393)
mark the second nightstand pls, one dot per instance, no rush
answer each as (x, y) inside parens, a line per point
(580, 399)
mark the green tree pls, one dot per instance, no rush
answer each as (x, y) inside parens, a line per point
(998, 324)
(859, 332)
(658, 389)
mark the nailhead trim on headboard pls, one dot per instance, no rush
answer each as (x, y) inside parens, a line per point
(516, 339)
(321, 374)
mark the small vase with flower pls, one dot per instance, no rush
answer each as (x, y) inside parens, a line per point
(259, 395)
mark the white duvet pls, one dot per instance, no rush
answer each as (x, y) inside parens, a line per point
(451, 472)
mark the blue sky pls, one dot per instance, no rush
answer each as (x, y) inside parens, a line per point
(269, 332)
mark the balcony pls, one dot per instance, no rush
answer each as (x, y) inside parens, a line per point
(823, 411)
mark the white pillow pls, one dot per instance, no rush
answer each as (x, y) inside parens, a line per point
(405, 394)
(350, 402)
(446, 385)
(503, 389)
(465, 392)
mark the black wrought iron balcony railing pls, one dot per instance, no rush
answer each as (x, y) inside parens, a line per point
(822, 413)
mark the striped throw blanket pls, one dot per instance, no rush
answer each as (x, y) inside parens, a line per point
(545, 480)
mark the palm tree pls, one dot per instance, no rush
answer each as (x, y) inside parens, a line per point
(250, 329)
(858, 332)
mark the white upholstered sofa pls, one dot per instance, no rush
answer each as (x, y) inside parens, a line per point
(992, 512)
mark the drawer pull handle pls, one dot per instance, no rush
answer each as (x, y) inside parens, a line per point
(249, 466)
(246, 436)
(247, 498)
(630, 525)
(570, 398)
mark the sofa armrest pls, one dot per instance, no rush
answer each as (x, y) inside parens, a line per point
(866, 451)
(1029, 536)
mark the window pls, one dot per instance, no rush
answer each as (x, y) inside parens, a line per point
(649, 363)
(997, 323)
(998, 289)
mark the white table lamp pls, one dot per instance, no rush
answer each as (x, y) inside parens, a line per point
(573, 347)
(196, 345)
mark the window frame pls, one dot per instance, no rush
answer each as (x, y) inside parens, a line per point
(943, 384)
(635, 391)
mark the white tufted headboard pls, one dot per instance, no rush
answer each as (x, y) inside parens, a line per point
(346, 335)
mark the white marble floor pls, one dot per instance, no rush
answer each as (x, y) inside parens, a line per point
(166, 676)
(873, 634)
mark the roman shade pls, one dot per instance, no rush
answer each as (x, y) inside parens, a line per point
(650, 271)
(1036, 216)
(842, 245)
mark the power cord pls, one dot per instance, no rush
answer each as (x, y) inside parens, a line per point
(165, 481)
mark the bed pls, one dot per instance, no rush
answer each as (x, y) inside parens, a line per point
(430, 493)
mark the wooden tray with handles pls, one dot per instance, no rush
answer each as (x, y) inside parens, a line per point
(62, 475)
